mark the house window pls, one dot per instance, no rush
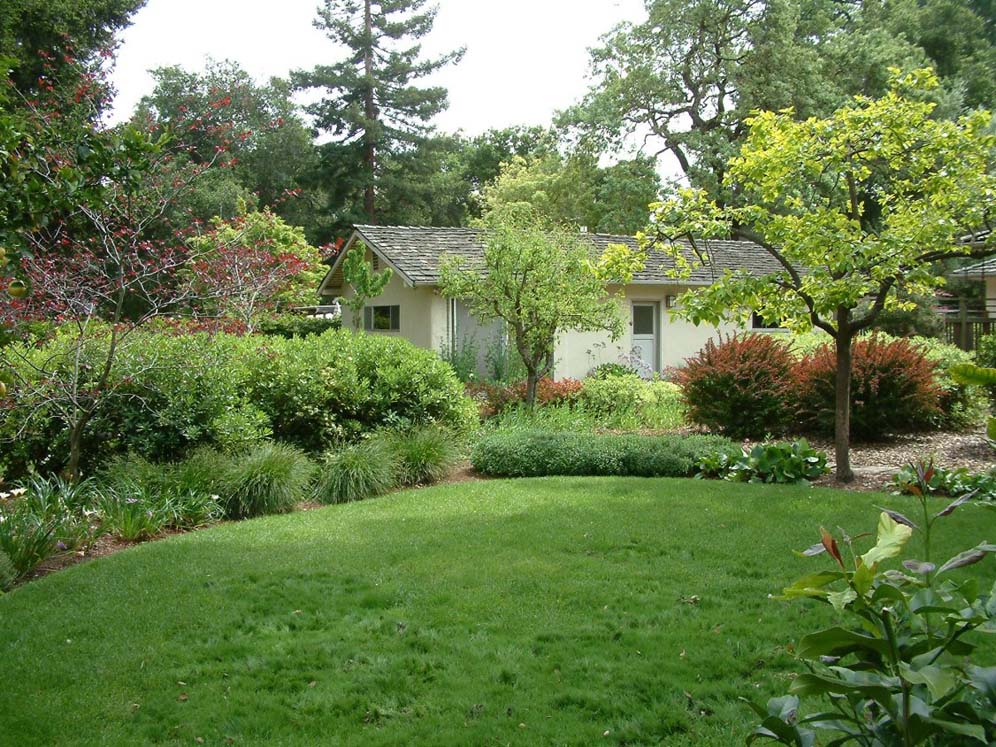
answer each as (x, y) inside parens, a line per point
(382, 318)
(759, 322)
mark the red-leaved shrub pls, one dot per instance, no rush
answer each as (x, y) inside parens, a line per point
(741, 387)
(892, 388)
(493, 398)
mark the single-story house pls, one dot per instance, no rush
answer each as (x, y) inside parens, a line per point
(412, 307)
(984, 271)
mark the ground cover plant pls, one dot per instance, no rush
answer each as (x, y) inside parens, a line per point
(541, 453)
(548, 611)
(784, 463)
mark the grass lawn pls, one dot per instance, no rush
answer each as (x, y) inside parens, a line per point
(534, 612)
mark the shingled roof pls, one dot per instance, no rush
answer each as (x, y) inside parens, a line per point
(415, 251)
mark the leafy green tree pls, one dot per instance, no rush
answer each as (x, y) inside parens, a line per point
(690, 75)
(576, 191)
(371, 107)
(539, 279)
(47, 38)
(270, 148)
(855, 208)
(365, 282)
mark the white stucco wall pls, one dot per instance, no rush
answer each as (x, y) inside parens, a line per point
(422, 313)
(577, 353)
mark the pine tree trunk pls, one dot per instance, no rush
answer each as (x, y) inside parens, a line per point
(842, 404)
(370, 153)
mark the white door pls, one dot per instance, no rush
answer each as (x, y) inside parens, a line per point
(645, 334)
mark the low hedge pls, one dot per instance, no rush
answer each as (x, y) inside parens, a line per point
(540, 453)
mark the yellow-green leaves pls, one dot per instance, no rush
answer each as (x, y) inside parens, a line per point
(892, 536)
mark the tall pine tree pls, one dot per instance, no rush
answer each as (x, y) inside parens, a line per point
(371, 107)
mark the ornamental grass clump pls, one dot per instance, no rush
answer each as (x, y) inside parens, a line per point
(355, 472)
(422, 456)
(270, 479)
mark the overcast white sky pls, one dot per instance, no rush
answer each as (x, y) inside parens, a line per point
(525, 58)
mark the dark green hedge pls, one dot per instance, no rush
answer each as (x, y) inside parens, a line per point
(536, 453)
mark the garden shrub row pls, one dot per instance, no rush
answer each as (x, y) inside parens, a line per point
(754, 385)
(177, 392)
(540, 453)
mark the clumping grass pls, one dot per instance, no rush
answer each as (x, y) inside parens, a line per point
(356, 472)
(422, 455)
(556, 611)
(269, 479)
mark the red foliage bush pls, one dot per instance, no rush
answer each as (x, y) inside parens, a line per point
(892, 388)
(741, 387)
(493, 398)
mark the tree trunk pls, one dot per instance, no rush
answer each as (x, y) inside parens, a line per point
(532, 377)
(370, 111)
(72, 473)
(842, 387)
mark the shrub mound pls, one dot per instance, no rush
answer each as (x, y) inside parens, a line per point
(893, 388)
(174, 393)
(540, 453)
(741, 387)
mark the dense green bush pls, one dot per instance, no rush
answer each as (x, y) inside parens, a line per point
(985, 355)
(175, 392)
(537, 453)
(295, 325)
(608, 370)
(355, 472)
(893, 388)
(270, 479)
(741, 387)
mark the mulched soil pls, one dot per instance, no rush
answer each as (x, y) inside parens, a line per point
(874, 464)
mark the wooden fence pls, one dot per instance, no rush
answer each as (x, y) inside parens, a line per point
(966, 331)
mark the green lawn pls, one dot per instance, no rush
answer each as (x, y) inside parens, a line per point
(550, 611)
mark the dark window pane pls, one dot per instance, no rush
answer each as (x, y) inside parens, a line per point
(643, 320)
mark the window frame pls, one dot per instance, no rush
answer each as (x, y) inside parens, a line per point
(370, 317)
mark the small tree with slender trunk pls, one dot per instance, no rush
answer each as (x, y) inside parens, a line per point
(854, 208)
(94, 262)
(537, 277)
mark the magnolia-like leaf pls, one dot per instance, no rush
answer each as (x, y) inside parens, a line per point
(840, 599)
(811, 585)
(921, 567)
(839, 641)
(974, 731)
(812, 550)
(968, 557)
(950, 508)
(891, 537)
(814, 684)
(897, 517)
(830, 544)
(939, 681)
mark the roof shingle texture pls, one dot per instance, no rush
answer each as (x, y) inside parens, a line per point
(416, 251)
